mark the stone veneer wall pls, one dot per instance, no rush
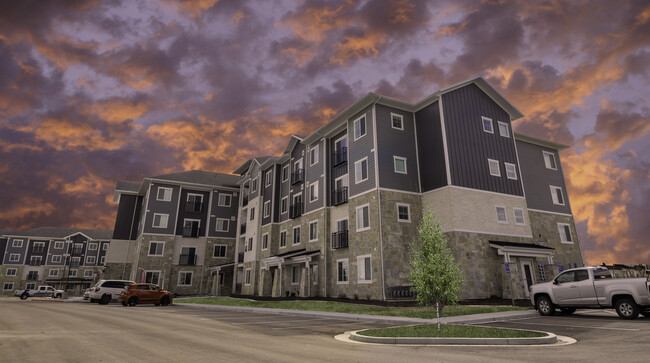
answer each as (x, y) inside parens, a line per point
(545, 224)
(117, 271)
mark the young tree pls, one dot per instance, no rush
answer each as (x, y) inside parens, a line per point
(434, 274)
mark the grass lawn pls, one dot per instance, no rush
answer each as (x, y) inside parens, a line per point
(339, 307)
(449, 331)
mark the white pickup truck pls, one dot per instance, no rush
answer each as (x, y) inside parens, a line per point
(43, 290)
(592, 288)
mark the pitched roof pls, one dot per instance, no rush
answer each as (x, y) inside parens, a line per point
(127, 186)
(61, 232)
(200, 177)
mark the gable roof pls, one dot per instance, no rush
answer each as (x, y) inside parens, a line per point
(247, 164)
(541, 142)
(61, 232)
(199, 177)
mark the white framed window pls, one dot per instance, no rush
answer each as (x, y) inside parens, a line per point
(313, 231)
(17, 243)
(511, 171)
(556, 195)
(194, 203)
(313, 191)
(152, 277)
(342, 271)
(363, 222)
(8, 286)
(283, 205)
(565, 232)
(403, 212)
(495, 170)
(252, 213)
(359, 127)
(549, 160)
(90, 260)
(160, 220)
(314, 155)
(105, 246)
(364, 269)
(156, 248)
(502, 217)
(361, 170)
(314, 274)
(295, 275)
(397, 121)
(285, 173)
(102, 260)
(265, 241)
(267, 208)
(32, 286)
(267, 178)
(14, 257)
(399, 164)
(487, 124)
(164, 194)
(296, 235)
(191, 227)
(58, 245)
(11, 272)
(75, 261)
(53, 272)
(503, 129)
(219, 251)
(92, 247)
(185, 278)
(250, 244)
(224, 200)
(72, 273)
(56, 258)
(35, 260)
(223, 225)
(254, 185)
(247, 280)
(519, 216)
(283, 239)
(88, 273)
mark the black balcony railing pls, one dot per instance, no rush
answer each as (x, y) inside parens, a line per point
(35, 262)
(193, 206)
(340, 196)
(240, 257)
(38, 249)
(187, 260)
(298, 176)
(295, 210)
(339, 156)
(191, 230)
(244, 201)
(32, 276)
(340, 239)
(74, 263)
(76, 251)
(242, 228)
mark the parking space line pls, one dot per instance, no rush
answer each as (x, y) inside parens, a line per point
(314, 326)
(281, 321)
(580, 326)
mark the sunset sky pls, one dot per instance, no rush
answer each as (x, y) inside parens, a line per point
(92, 92)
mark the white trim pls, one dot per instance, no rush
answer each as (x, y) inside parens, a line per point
(501, 123)
(491, 163)
(401, 118)
(266, 212)
(149, 249)
(247, 277)
(311, 192)
(254, 185)
(216, 225)
(294, 280)
(547, 164)
(92, 246)
(347, 271)
(560, 227)
(514, 169)
(491, 233)
(360, 194)
(161, 226)
(359, 259)
(444, 140)
(14, 271)
(474, 190)
(365, 128)
(60, 245)
(309, 231)
(88, 273)
(225, 250)
(357, 175)
(357, 209)
(554, 195)
(219, 204)
(153, 272)
(165, 189)
(17, 245)
(549, 212)
(408, 208)
(59, 258)
(317, 153)
(395, 159)
(50, 274)
(286, 205)
(505, 213)
(287, 167)
(523, 217)
(284, 231)
(483, 119)
(179, 278)
(268, 178)
(265, 236)
(293, 235)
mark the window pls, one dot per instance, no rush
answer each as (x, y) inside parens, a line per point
(314, 274)
(397, 121)
(267, 208)
(511, 171)
(362, 218)
(494, 167)
(556, 195)
(519, 216)
(248, 276)
(88, 273)
(399, 164)
(283, 205)
(249, 247)
(265, 241)
(17, 243)
(101, 260)
(342, 271)
(487, 125)
(58, 245)
(283, 239)
(90, 260)
(11, 272)
(364, 269)
(295, 275)
(152, 277)
(92, 247)
(252, 214)
(503, 129)
(549, 160)
(160, 220)
(191, 227)
(361, 170)
(38, 247)
(156, 248)
(223, 225)
(313, 231)
(56, 259)
(314, 155)
(254, 185)
(224, 200)
(164, 194)
(75, 261)
(296, 235)
(403, 212)
(267, 178)
(359, 127)
(8, 286)
(54, 272)
(285, 173)
(313, 191)
(219, 251)
(185, 278)
(72, 273)
(194, 203)
(565, 233)
(14, 257)
(35, 260)
(105, 246)
(30, 286)
(501, 215)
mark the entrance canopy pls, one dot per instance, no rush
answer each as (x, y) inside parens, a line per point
(288, 258)
(509, 249)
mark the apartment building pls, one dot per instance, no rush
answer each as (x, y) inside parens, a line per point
(334, 215)
(66, 258)
(177, 230)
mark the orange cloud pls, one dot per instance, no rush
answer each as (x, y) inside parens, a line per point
(116, 110)
(24, 207)
(358, 47)
(312, 24)
(403, 11)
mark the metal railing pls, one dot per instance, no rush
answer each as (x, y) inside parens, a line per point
(191, 231)
(240, 257)
(187, 260)
(295, 210)
(242, 228)
(340, 196)
(298, 176)
(339, 156)
(340, 239)
(193, 206)
(244, 201)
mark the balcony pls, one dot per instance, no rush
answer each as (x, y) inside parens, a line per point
(76, 251)
(38, 249)
(340, 239)
(74, 263)
(191, 230)
(193, 206)
(339, 156)
(32, 276)
(242, 228)
(244, 201)
(340, 196)
(298, 176)
(295, 210)
(187, 260)
(35, 262)
(240, 257)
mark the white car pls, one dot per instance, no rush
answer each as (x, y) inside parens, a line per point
(106, 290)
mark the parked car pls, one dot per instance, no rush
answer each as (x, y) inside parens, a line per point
(43, 290)
(106, 290)
(592, 288)
(145, 294)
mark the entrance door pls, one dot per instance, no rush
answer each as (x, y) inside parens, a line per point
(528, 276)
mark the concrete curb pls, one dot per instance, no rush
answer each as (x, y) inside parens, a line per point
(550, 338)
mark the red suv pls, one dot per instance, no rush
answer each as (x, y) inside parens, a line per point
(145, 294)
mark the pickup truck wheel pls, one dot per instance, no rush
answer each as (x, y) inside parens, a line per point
(133, 301)
(545, 306)
(24, 296)
(626, 308)
(105, 299)
(164, 301)
(94, 301)
(58, 296)
(568, 311)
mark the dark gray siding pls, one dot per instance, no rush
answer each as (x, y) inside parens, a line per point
(538, 179)
(275, 208)
(102, 253)
(3, 248)
(431, 150)
(267, 194)
(359, 149)
(223, 212)
(339, 170)
(297, 153)
(394, 142)
(19, 250)
(313, 173)
(125, 217)
(138, 216)
(285, 189)
(31, 251)
(255, 174)
(56, 252)
(184, 214)
(162, 207)
(470, 147)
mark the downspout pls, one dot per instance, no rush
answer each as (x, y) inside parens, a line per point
(381, 239)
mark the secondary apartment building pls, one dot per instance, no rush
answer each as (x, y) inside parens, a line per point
(176, 230)
(333, 216)
(66, 258)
